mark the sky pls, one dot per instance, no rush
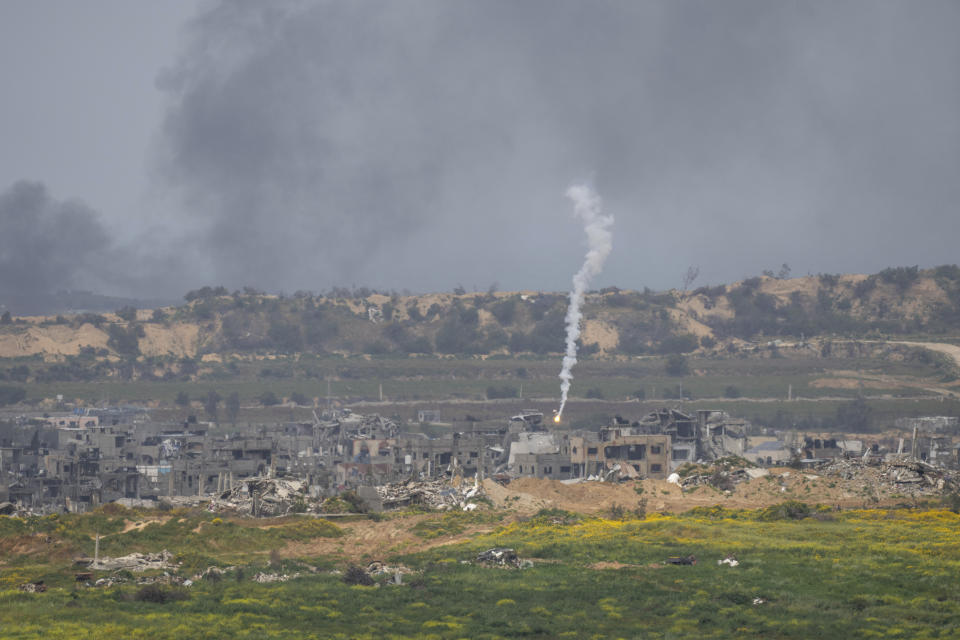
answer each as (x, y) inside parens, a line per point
(152, 148)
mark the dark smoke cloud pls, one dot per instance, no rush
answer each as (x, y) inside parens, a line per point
(47, 245)
(421, 144)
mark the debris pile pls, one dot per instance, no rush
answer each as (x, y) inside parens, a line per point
(902, 476)
(501, 558)
(730, 560)
(377, 568)
(110, 581)
(264, 496)
(436, 494)
(723, 474)
(357, 426)
(921, 474)
(33, 587)
(136, 562)
(264, 578)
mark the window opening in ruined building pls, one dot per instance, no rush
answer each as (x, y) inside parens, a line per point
(591, 451)
(680, 454)
(655, 468)
(636, 452)
(612, 452)
(655, 449)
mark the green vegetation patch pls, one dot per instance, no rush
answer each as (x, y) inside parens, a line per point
(859, 574)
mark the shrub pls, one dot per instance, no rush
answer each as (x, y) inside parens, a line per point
(357, 505)
(159, 594)
(901, 277)
(127, 313)
(355, 575)
(676, 365)
(789, 510)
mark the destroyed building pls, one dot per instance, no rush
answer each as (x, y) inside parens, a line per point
(123, 455)
(707, 435)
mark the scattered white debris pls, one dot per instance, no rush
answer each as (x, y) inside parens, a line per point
(136, 562)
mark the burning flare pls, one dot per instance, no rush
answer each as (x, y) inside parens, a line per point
(587, 207)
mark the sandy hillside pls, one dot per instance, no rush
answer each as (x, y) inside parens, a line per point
(179, 340)
(60, 340)
(695, 307)
(602, 333)
(687, 324)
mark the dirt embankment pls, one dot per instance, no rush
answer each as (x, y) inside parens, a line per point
(367, 539)
(528, 495)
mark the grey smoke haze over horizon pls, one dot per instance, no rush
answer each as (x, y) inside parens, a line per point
(422, 145)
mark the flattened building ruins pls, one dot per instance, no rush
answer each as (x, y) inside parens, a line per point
(89, 457)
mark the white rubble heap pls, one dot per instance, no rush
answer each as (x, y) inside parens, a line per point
(905, 476)
(437, 494)
(136, 562)
(264, 496)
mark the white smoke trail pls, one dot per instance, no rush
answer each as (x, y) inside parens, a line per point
(587, 207)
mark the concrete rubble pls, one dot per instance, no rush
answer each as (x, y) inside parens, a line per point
(377, 569)
(501, 558)
(136, 562)
(265, 578)
(33, 587)
(265, 497)
(436, 494)
(724, 474)
(903, 476)
(729, 560)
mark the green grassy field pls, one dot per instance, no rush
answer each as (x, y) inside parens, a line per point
(425, 379)
(857, 574)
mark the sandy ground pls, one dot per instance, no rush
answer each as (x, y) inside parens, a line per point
(366, 539)
(528, 495)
